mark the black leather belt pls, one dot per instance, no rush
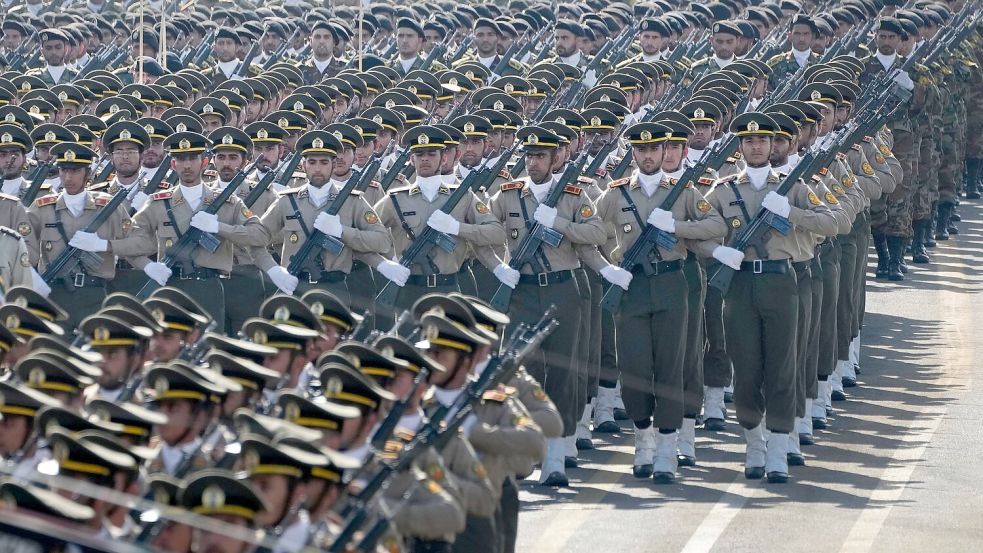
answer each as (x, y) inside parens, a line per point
(824, 247)
(82, 280)
(801, 266)
(545, 279)
(765, 266)
(324, 276)
(432, 281)
(123, 265)
(660, 267)
(201, 273)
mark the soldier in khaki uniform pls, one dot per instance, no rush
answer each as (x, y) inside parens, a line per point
(14, 145)
(59, 221)
(519, 203)
(168, 215)
(300, 211)
(15, 262)
(761, 307)
(651, 322)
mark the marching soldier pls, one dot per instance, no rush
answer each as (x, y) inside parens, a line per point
(15, 261)
(55, 47)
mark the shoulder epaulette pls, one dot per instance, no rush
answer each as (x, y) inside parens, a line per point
(101, 200)
(497, 396)
(514, 185)
(601, 172)
(165, 195)
(868, 138)
(47, 200)
(99, 186)
(291, 190)
(619, 182)
(393, 191)
(9, 197)
(731, 159)
(728, 178)
(504, 173)
(706, 181)
(571, 189)
(856, 147)
(840, 156)
(585, 180)
(375, 184)
(817, 178)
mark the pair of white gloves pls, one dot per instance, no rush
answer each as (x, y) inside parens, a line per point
(90, 242)
(286, 282)
(544, 215)
(773, 202)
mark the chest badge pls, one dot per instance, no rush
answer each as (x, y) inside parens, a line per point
(294, 238)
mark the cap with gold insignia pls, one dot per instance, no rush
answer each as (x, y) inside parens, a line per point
(141, 454)
(753, 123)
(289, 310)
(182, 122)
(399, 348)
(280, 335)
(63, 348)
(486, 316)
(8, 339)
(701, 111)
(347, 134)
(248, 374)
(457, 313)
(389, 119)
(130, 132)
(330, 310)
(600, 119)
(257, 353)
(68, 418)
(820, 92)
(44, 502)
(210, 106)
(498, 101)
(247, 421)
(86, 459)
(234, 101)
(165, 489)
(102, 330)
(177, 381)
(378, 364)
(20, 400)
(51, 374)
(412, 115)
(365, 127)
(679, 124)
(230, 138)
(261, 457)
(16, 115)
(787, 127)
(172, 316)
(187, 143)
(49, 134)
(317, 413)
(334, 465)
(72, 154)
(647, 133)
(319, 142)
(264, 132)
(472, 126)
(155, 128)
(12, 135)
(348, 386)
(302, 104)
(538, 138)
(26, 323)
(137, 422)
(424, 137)
(217, 492)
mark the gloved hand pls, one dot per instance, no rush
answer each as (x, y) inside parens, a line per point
(506, 275)
(590, 78)
(158, 272)
(777, 204)
(442, 222)
(88, 241)
(468, 424)
(285, 281)
(904, 81)
(394, 272)
(545, 215)
(662, 220)
(617, 276)
(729, 256)
(328, 224)
(205, 222)
(40, 286)
(138, 200)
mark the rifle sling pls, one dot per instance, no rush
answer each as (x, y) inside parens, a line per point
(409, 232)
(529, 224)
(638, 218)
(61, 231)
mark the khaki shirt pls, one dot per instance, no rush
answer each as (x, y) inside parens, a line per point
(577, 220)
(878, 150)
(479, 227)
(429, 512)
(807, 212)
(362, 232)
(539, 405)
(506, 437)
(695, 219)
(13, 215)
(864, 172)
(153, 232)
(15, 262)
(46, 212)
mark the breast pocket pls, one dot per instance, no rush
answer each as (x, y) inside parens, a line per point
(51, 240)
(515, 226)
(293, 233)
(626, 223)
(166, 238)
(734, 217)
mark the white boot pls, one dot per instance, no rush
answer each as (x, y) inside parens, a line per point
(714, 409)
(819, 406)
(554, 472)
(776, 461)
(855, 354)
(642, 466)
(570, 451)
(583, 437)
(607, 400)
(795, 457)
(619, 405)
(755, 451)
(804, 428)
(664, 463)
(836, 382)
(687, 444)
(848, 374)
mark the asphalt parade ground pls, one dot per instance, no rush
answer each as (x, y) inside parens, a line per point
(898, 470)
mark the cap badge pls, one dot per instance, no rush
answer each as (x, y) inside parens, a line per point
(281, 314)
(317, 308)
(378, 119)
(595, 121)
(25, 86)
(298, 105)
(101, 334)
(262, 134)
(338, 135)
(430, 332)
(816, 95)
(469, 127)
(225, 100)
(207, 108)
(69, 155)
(181, 127)
(161, 386)
(333, 385)
(62, 95)
(412, 89)
(35, 110)
(423, 139)
(499, 105)
(135, 94)
(645, 135)
(533, 139)
(753, 126)
(283, 123)
(48, 136)
(605, 98)
(317, 143)
(125, 135)
(699, 113)
(9, 118)
(390, 103)
(291, 411)
(260, 337)
(114, 109)
(213, 497)
(36, 376)
(452, 81)
(509, 88)
(227, 139)
(358, 129)
(184, 144)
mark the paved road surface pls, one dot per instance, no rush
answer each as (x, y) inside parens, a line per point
(899, 470)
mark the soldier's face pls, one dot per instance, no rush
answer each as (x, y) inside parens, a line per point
(73, 178)
(212, 122)
(13, 433)
(227, 163)
(672, 160)
(225, 49)
(364, 152)
(116, 364)
(597, 139)
(11, 162)
(762, 27)
(189, 167)
(887, 42)
(756, 150)
(702, 135)
(343, 163)
(427, 162)
(828, 119)
(153, 155)
(566, 43)
(493, 142)
(12, 39)
(561, 157)
(174, 537)
(781, 146)
(208, 542)
(724, 45)
(539, 164)
(430, 39)
(270, 42)
(486, 41)
(651, 42)
(649, 157)
(275, 491)
(472, 150)
(322, 44)
(180, 417)
(166, 346)
(319, 169)
(408, 42)
(449, 160)
(801, 37)
(54, 52)
(267, 155)
(126, 159)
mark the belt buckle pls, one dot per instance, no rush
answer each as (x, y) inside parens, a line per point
(432, 280)
(79, 280)
(758, 266)
(544, 279)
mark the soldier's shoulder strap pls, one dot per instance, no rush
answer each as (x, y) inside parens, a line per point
(619, 182)
(776, 59)
(164, 195)
(46, 200)
(9, 197)
(514, 185)
(573, 189)
(407, 189)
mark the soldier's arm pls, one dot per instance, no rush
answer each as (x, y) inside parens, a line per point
(368, 234)
(22, 223)
(20, 265)
(704, 248)
(142, 238)
(512, 432)
(586, 227)
(809, 212)
(477, 495)
(431, 512)
(540, 407)
(120, 226)
(481, 227)
(246, 229)
(843, 211)
(32, 218)
(702, 221)
(272, 220)
(864, 171)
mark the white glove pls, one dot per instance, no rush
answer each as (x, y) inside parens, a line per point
(40, 286)
(545, 215)
(506, 275)
(138, 200)
(394, 272)
(88, 241)
(617, 276)
(468, 424)
(777, 204)
(904, 81)
(662, 220)
(328, 224)
(205, 222)
(442, 222)
(285, 281)
(729, 256)
(590, 78)
(158, 272)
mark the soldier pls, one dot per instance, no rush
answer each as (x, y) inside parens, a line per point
(55, 46)
(409, 43)
(122, 346)
(19, 439)
(169, 215)
(322, 63)
(219, 494)
(487, 35)
(762, 347)
(802, 33)
(227, 65)
(723, 41)
(15, 261)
